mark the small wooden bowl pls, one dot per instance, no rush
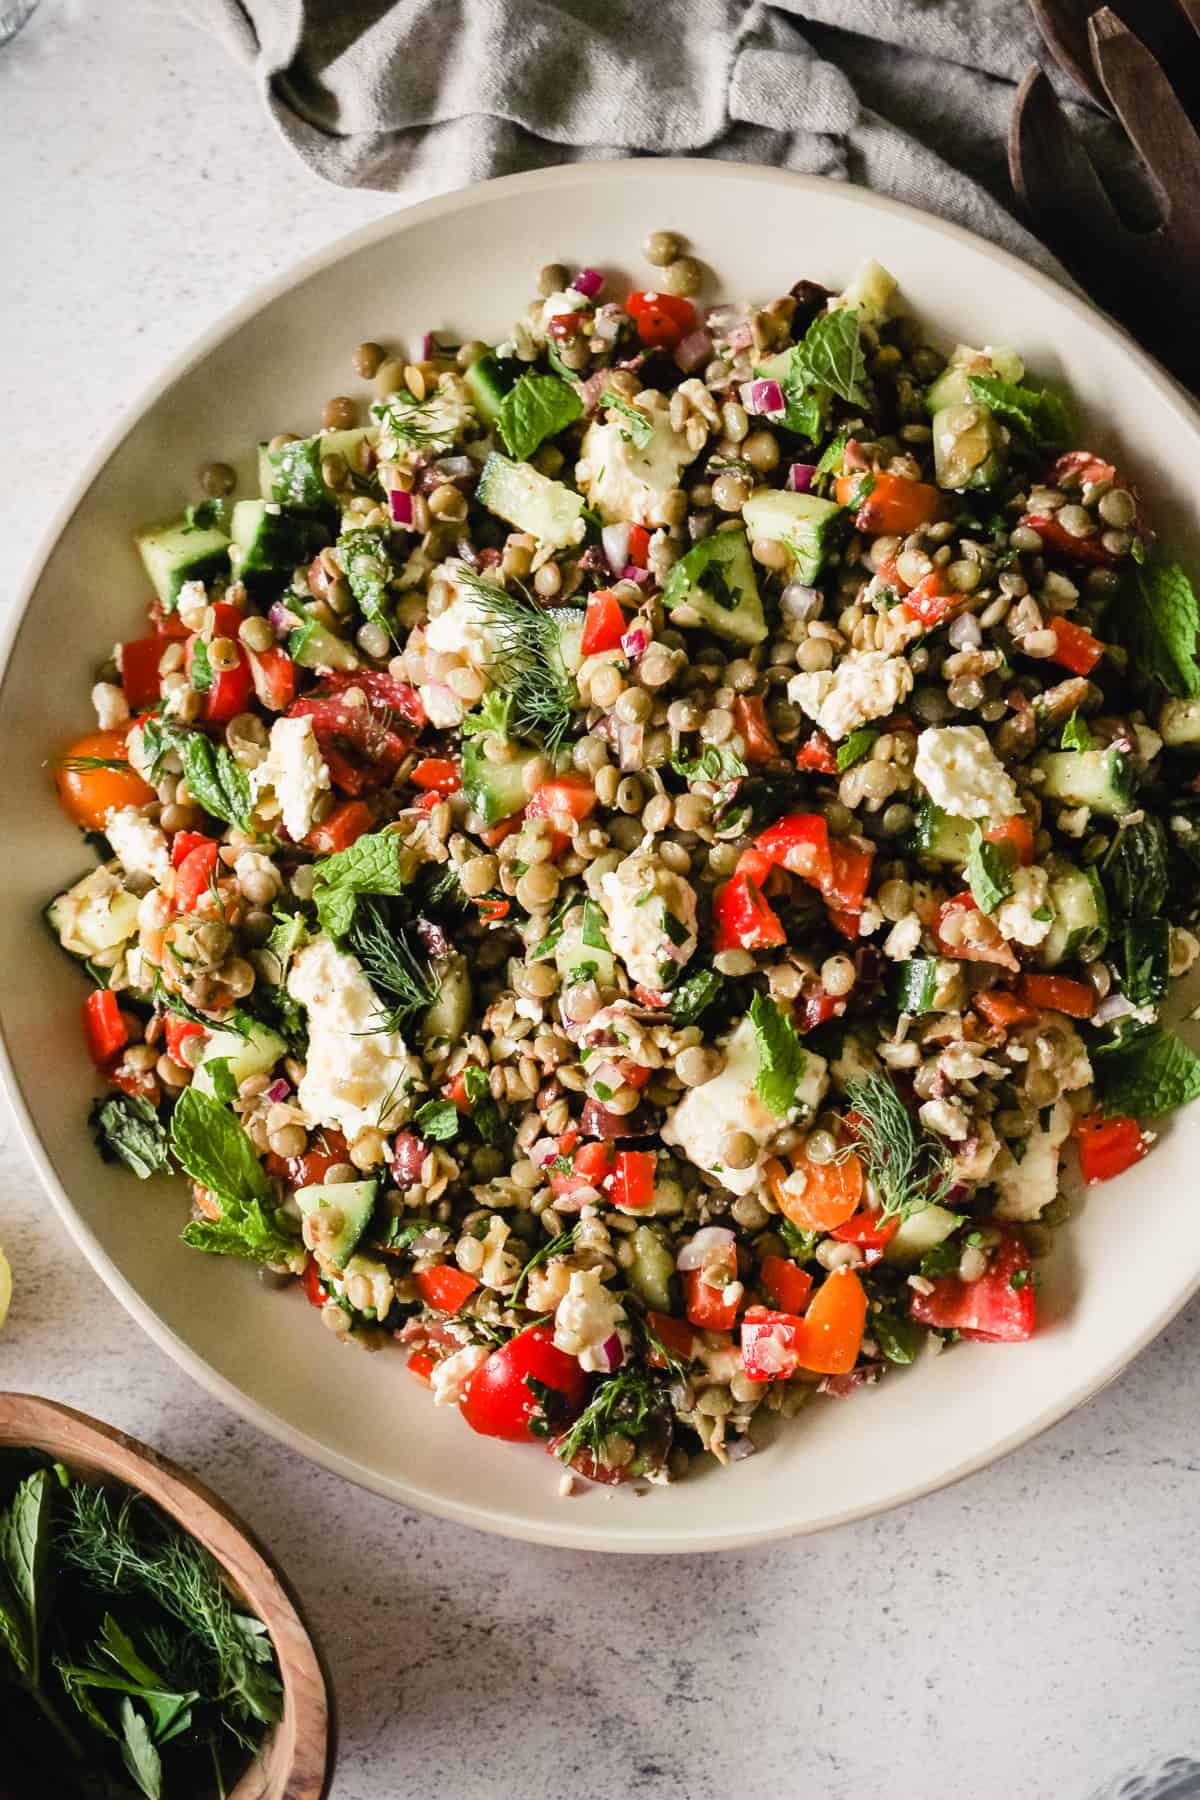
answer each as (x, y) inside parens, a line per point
(295, 1760)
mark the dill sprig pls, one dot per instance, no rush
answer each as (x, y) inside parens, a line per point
(391, 966)
(555, 1246)
(621, 1406)
(166, 1000)
(79, 765)
(908, 1169)
(527, 662)
(408, 420)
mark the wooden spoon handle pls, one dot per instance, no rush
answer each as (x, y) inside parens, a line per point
(1146, 104)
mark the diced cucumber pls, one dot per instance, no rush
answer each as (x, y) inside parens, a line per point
(255, 1054)
(353, 1202)
(268, 545)
(1179, 724)
(178, 552)
(952, 386)
(1080, 927)
(802, 523)
(292, 476)
(920, 1232)
(968, 447)
(929, 984)
(448, 1016)
(550, 510)
(940, 837)
(314, 647)
(652, 1270)
(96, 914)
(490, 379)
(575, 959)
(494, 790)
(716, 579)
(870, 291)
(1100, 779)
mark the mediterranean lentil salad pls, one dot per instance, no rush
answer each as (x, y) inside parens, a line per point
(626, 866)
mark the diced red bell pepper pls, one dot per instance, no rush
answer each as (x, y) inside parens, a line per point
(421, 1365)
(1003, 1010)
(165, 624)
(989, 946)
(638, 552)
(742, 918)
(713, 1308)
(385, 691)
(1108, 1147)
(675, 1335)
(103, 1027)
(1015, 835)
(564, 326)
(1074, 647)
(571, 796)
(1057, 540)
(771, 1344)
(604, 623)
(815, 1008)
(929, 601)
(817, 755)
(177, 1032)
(194, 877)
(662, 319)
(184, 842)
(346, 823)
(633, 1180)
(750, 722)
(445, 1287)
(231, 688)
(847, 922)
(437, 775)
(799, 843)
(495, 835)
(893, 507)
(991, 1308)
(493, 909)
(139, 671)
(648, 996)
(592, 1167)
(274, 676)
(868, 1230)
(786, 1282)
(1058, 993)
(310, 1281)
(851, 860)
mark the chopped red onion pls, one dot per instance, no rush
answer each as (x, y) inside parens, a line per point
(613, 1351)
(723, 319)
(800, 477)
(800, 602)
(1115, 1007)
(615, 539)
(278, 1090)
(589, 282)
(543, 1153)
(631, 572)
(764, 398)
(708, 1239)
(741, 337)
(635, 640)
(693, 350)
(431, 1241)
(427, 347)
(400, 504)
(281, 620)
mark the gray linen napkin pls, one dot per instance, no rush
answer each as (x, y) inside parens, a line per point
(909, 97)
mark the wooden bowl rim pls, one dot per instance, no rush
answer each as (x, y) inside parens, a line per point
(298, 1764)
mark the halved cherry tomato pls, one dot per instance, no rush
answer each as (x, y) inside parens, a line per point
(1058, 993)
(1004, 1010)
(359, 738)
(103, 1027)
(991, 1308)
(439, 775)
(421, 1366)
(1108, 1147)
(346, 823)
(604, 623)
(750, 722)
(274, 675)
(834, 1323)
(89, 795)
(184, 842)
(742, 918)
(195, 876)
(497, 1400)
(1080, 469)
(310, 1281)
(929, 601)
(818, 755)
(1056, 539)
(1016, 835)
(827, 1195)
(867, 1229)
(633, 1180)
(985, 945)
(675, 1336)
(571, 796)
(177, 1032)
(310, 1168)
(445, 1287)
(139, 671)
(661, 319)
(384, 691)
(1074, 647)
(893, 507)
(712, 1308)
(786, 1282)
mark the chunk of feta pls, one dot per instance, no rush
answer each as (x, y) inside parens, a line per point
(729, 1102)
(651, 918)
(624, 482)
(587, 1316)
(567, 300)
(861, 688)
(295, 772)
(1028, 1183)
(464, 628)
(1017, 916)
(139, 845)
(450, 1375)
(961, 773)
(98, 913)
(356, 1076)
(438, 422)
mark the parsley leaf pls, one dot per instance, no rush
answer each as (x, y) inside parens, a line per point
(714, 763)
(781, 1056)
(858, 745)
(438, 1120)
(1075, 734)
(1149, 1073)
(897, 1336)
(1160, 628)
(1039, 415)
(377, 863)
(988, 872)
(535, 408)
(485, 1114)
(637, 428)
(215, 781)
(127, 1128)
(592, 930)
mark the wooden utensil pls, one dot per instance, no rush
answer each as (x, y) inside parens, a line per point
(1165, 27)
(296, 1754)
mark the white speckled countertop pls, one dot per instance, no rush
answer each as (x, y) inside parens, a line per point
(1031, 1631)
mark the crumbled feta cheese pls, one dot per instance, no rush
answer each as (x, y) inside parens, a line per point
(651, 918)
(443, 418)
(443, 708)
(450, 1376)
(1016, 915)
(138, 844)
(945, 1117)
(623, 482)
(1027, 1183)
(861, 688)
(729, 1102)
(112, 708)
(98, 913)
(902, 940)
(960, 772)
(294, 772)
(586, 1318)
(464, 627)
(356, 1076)
(567, 300)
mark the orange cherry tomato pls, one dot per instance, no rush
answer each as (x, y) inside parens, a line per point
(833, 1325)
(828, 1197)
(88, 795)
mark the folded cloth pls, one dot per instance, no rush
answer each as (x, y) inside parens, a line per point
(909, 97)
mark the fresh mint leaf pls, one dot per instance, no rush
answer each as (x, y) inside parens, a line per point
(694, 996)
(988, 873)
(780, 1056)
(377, 863)
(438, 1120)
(637, 427)
(215, 781)
(1075, 734)
(1038, 415)
(1145, 960)
(832, 355)
(537, 407)
(856, 747)
(401, 1233)
(247, 1232)
(25, 1530)
(1135, 870)
(1149, 1073)
(201, 675)
(210, 1145)
(368, 569)
(127, 1128)
(138, 1752)
(1160, 627)
(224, 1086)
(898, 1337)
(593, 932)
(714, 763)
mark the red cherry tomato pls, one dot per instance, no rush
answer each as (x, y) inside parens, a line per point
(498, 1402)
(662, 320)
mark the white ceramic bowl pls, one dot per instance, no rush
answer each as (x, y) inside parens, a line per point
(469, 263)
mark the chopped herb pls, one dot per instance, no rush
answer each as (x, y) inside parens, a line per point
(1038, 415)
(988, 873)
(535, 408)
(127, 1128)
(439, 1121)
(857, 746)
(780, 1056)
(560, 1245)
(694, 996)
(1075, 734)
(201, 675)
(407, 982)
(593, 932)
(638, 428)
(377, 863)
(527, 662)
(908, 1168)
(621, 1406)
